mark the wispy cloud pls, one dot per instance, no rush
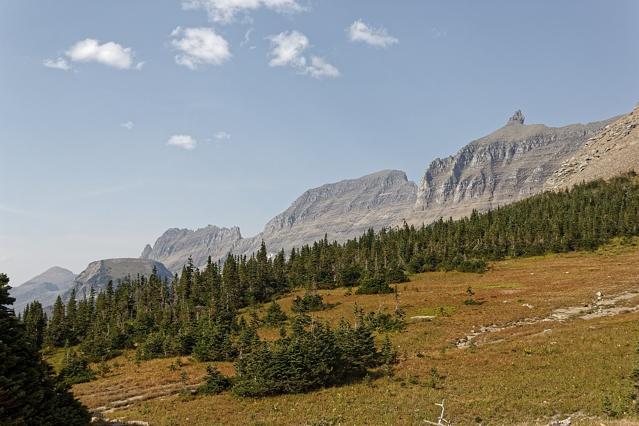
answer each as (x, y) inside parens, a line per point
(438, 33)
(359, 31)
(319, 68)
(222, 136)
(128, 125)
(287, 50)
(226, 11)
(247, 37)
(58, 64)
(182, 141)
(199, 46)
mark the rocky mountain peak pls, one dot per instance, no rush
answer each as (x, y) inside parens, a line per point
(512, 163)
(44, 288)
(146, 252)
(174, 247)
(517, 118)
(99, 273)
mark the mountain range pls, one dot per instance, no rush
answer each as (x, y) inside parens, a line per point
(507, 165)
(514, 162)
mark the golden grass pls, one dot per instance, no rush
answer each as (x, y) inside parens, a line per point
(520, 375)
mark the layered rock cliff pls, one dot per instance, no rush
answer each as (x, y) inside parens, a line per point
(507, 165)
(174, 247)
(342, 210)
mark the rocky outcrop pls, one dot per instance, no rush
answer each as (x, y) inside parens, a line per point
(98, 274)
(45, 288)
(174, 247)
(517, 118)
(340, 210)
(510, 164)
(613, 151)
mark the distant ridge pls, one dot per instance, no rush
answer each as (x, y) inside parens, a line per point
(98, 274)
(44, 288)
(511, 163)
(340, 210)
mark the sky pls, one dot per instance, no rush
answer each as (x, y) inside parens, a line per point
(120, 119)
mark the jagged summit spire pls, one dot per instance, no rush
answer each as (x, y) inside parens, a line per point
(517, 118)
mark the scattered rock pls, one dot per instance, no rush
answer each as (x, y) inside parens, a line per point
(603, 307)
(418, 318)
(565, 422)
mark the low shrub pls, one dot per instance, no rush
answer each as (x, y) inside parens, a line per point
(214, 382)
(308, 303)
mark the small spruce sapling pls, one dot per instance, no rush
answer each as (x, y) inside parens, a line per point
(215, 382)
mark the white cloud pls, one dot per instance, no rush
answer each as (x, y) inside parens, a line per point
(110, 53)
(128, 125)
(225, 11)
(198, 46)
(319, 68)
(58, 64)
(182, 141)
(378, 37)
(222, 136)
(287, 49)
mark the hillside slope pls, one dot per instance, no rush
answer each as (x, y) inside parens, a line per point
(613, 151)
(542, 336)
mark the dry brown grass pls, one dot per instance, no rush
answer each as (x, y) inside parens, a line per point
(521, 375)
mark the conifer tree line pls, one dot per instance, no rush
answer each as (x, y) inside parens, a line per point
(580, 219)
(197, 313)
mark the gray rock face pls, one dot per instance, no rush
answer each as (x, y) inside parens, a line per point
(175, 246)
(508, 165)
(613, 151)
(99, 273)
(517, 118)
(341, 210)
(45, 288)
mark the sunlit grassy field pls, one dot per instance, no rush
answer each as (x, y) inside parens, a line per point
(524, 374)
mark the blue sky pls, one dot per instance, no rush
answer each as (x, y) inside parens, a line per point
(278, 96)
